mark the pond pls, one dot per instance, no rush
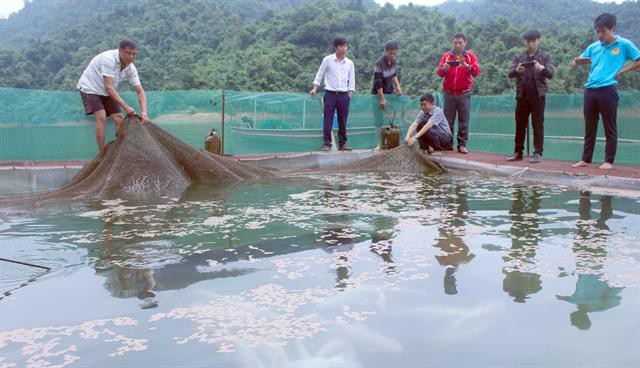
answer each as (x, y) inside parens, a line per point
(327, 270)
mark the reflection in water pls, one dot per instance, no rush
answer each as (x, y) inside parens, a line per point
(125, 282)
(136, 265)
(126, 256)
(525, 233)
(338, 234)
(592, 293)
(346, 285)
(381, 245)
(19, 276)
(454, 251)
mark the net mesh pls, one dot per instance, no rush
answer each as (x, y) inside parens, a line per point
(403, 159)
(146, 162)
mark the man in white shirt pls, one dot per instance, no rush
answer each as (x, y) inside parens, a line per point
(98, 84)
(339, 77)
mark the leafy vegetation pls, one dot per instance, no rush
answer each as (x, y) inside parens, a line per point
(559, 14)
(248, 45)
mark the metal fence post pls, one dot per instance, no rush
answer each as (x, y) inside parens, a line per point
(528, 138)
(222, 128)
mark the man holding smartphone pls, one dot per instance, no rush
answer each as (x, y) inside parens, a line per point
(458, 67)
(531, 68)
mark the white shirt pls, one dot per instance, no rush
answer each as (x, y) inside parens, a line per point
(338, 76)
(106, 64)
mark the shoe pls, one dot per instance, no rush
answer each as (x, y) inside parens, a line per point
(345, 148)
(515, 157)
(463, 150)
(536, 158)
(326, 147)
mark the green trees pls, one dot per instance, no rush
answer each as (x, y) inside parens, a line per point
(277, 46)
(557, 16)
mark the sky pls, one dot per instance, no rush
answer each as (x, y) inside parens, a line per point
(11, 6)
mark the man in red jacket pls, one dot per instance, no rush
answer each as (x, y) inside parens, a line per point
(458, 67)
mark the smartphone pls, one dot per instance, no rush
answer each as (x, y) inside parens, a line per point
(453, 63)
(528, 64)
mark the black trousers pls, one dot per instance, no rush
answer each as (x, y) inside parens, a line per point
(534, 106)
(458, 105)
(435, 138)
(600, 101)
(336, 102)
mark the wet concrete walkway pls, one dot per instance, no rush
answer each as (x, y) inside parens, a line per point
(622, 171)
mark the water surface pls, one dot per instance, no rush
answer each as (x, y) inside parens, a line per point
(331, 270)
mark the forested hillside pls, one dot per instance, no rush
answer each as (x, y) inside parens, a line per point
(195, 44)
(41, 19)
(564, 14)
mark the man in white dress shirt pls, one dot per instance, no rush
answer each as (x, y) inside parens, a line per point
(339, 77)
(98, 84)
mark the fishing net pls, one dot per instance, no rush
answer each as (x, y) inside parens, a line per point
(147, 162)
(403, 159)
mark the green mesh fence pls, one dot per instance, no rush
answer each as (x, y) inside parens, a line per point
(492, 127)
(291, 122)
(51, 125)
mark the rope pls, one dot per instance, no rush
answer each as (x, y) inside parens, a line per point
(26, 264)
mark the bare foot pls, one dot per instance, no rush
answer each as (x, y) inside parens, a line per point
(580, 164)
(436, 153)
(606, 166)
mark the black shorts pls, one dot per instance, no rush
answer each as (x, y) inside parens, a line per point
(93, 103)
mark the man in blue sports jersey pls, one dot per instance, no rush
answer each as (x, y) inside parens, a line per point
(607, 57)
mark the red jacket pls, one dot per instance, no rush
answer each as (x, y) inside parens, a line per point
(458, 79)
